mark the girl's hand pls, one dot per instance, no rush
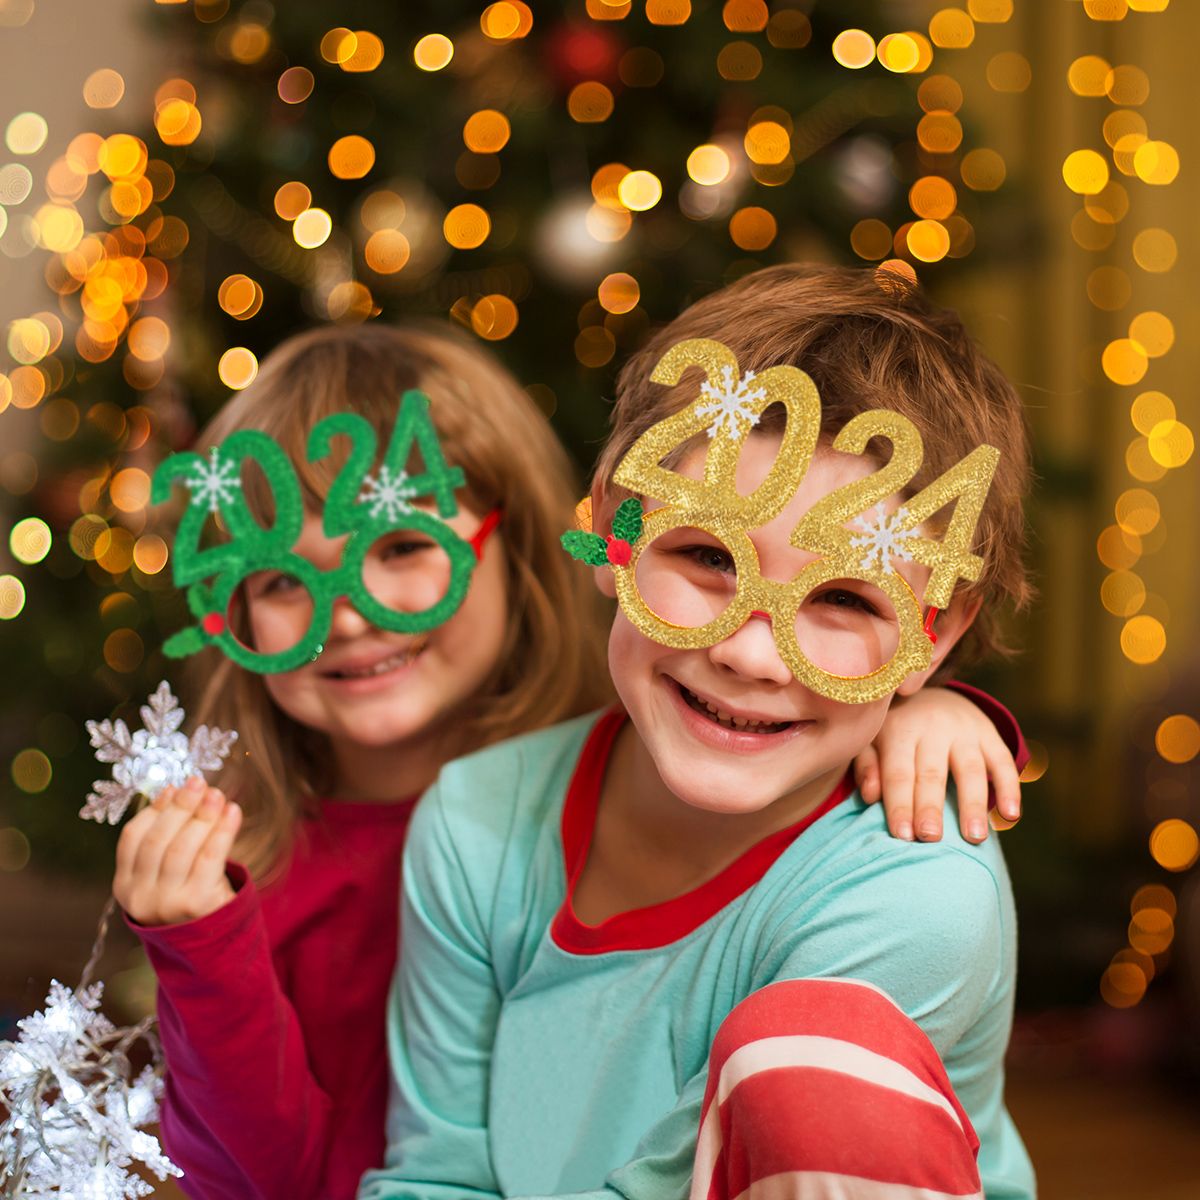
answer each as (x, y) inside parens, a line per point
(171, 856)
(924, 737)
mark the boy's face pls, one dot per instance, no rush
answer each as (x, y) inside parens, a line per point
(687, 704)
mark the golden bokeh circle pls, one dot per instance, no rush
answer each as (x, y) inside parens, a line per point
(295, 85)
(1124, 361)
(433, 52)
(639, 191)
(1174, 845)
(494, 317)
(1137, 511)
(1155, 250)
(590, 102)
(983, 169)
(312, 228)
(854, 49)
(752, 228)
(1171, 444)
(871, 239)
(619, 292)
(1143, 639)
(386, 251)
(1177, 738)
(237, 368)
(351, 157)
(1149, 409)
(292, 199)
(928, 240)
(30, 540)
(951, 29)
(1156, 163)
(933, 197)
(1085, 172)
(708, 165)
(466, 226)
(486, 131)
(1122, 593)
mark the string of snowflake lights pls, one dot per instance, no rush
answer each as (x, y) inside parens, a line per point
(75, 1110)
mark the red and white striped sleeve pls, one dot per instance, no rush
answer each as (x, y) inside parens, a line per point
(824, 1089)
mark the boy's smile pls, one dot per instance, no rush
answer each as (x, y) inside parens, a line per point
(728, 727)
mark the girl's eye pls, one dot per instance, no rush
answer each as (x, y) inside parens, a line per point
(278, 585)
(402, 547)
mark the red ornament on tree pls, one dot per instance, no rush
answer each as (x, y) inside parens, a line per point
(576, 52)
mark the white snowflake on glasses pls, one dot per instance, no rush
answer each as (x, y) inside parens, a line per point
(388, 494)
(214, 483)
(730, 410)
(883, 538)
(73, 1116)
(151, 759)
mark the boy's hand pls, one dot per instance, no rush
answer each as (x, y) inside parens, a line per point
(923, 738)
(171, 856)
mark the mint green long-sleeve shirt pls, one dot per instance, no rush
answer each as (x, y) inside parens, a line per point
(536, 1056)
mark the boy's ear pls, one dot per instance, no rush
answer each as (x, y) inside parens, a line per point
(603, 507)
(950, 625)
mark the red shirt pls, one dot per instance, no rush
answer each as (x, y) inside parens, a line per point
(272, 1017)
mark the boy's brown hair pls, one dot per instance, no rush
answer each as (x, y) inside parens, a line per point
(551, 665)
(869, 340)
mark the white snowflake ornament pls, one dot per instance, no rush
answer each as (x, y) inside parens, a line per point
(72, 1123)
(215, 482)
(729, 410)
(151, 759)
(386, 494)
(883, 539)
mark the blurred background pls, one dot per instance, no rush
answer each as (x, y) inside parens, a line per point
(182, 185)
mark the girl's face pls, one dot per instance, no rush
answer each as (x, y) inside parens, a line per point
(372, 688)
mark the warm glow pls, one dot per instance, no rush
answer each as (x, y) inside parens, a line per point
(237, 368)
(639, 191)
(619, 293)
(708, 165)
(854, 48)
(433, 52)
(312, 228)
(752, 228)
(466, 226)
(1174, 845)
(1178, 738)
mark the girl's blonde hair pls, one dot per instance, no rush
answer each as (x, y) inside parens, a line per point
(552, 663)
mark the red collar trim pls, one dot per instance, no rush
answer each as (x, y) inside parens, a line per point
(657, 924)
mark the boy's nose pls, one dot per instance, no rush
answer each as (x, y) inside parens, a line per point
(751, 652)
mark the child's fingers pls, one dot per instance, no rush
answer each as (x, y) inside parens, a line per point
(166, 824)
(131, 837)
(180, 855)
(929, 799)
(208, 867)
(971, 784)
(866, 774)
(1006, 780)
(897, 782)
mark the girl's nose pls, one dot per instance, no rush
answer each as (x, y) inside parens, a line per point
(346, 620)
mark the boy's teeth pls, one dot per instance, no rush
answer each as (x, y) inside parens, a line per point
(732, 722)
(388, 664)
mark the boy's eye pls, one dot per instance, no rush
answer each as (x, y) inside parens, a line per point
(712, 558)
(844, 598)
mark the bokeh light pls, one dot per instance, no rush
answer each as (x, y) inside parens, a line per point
(433, 52)
(31, 771)
(1156, 163)
(237, 368)
(104, 88)
(466, 226)
(30, 540)
(494, 317)
(12, 597)
(1174, 845)
(639, 191)
(312, 228)
(386, 251)
(952, 29)
(708, 165)
(752, 228)
(1177, 738)
(619, 292)
(1085, 172)
(295, 85)
(1154, 250)
(1143, 639)
(1171, 443)
(590, 103)
(351, 157)
(854, 48)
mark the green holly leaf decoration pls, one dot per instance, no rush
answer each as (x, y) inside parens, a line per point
(185, 642)
(627, 521)
(590, 548)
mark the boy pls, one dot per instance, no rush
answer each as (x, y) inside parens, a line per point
(673, 950)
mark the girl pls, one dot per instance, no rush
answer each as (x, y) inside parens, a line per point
(273, 969)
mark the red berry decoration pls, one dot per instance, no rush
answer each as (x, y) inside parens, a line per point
(213, 624)
(619, 552)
